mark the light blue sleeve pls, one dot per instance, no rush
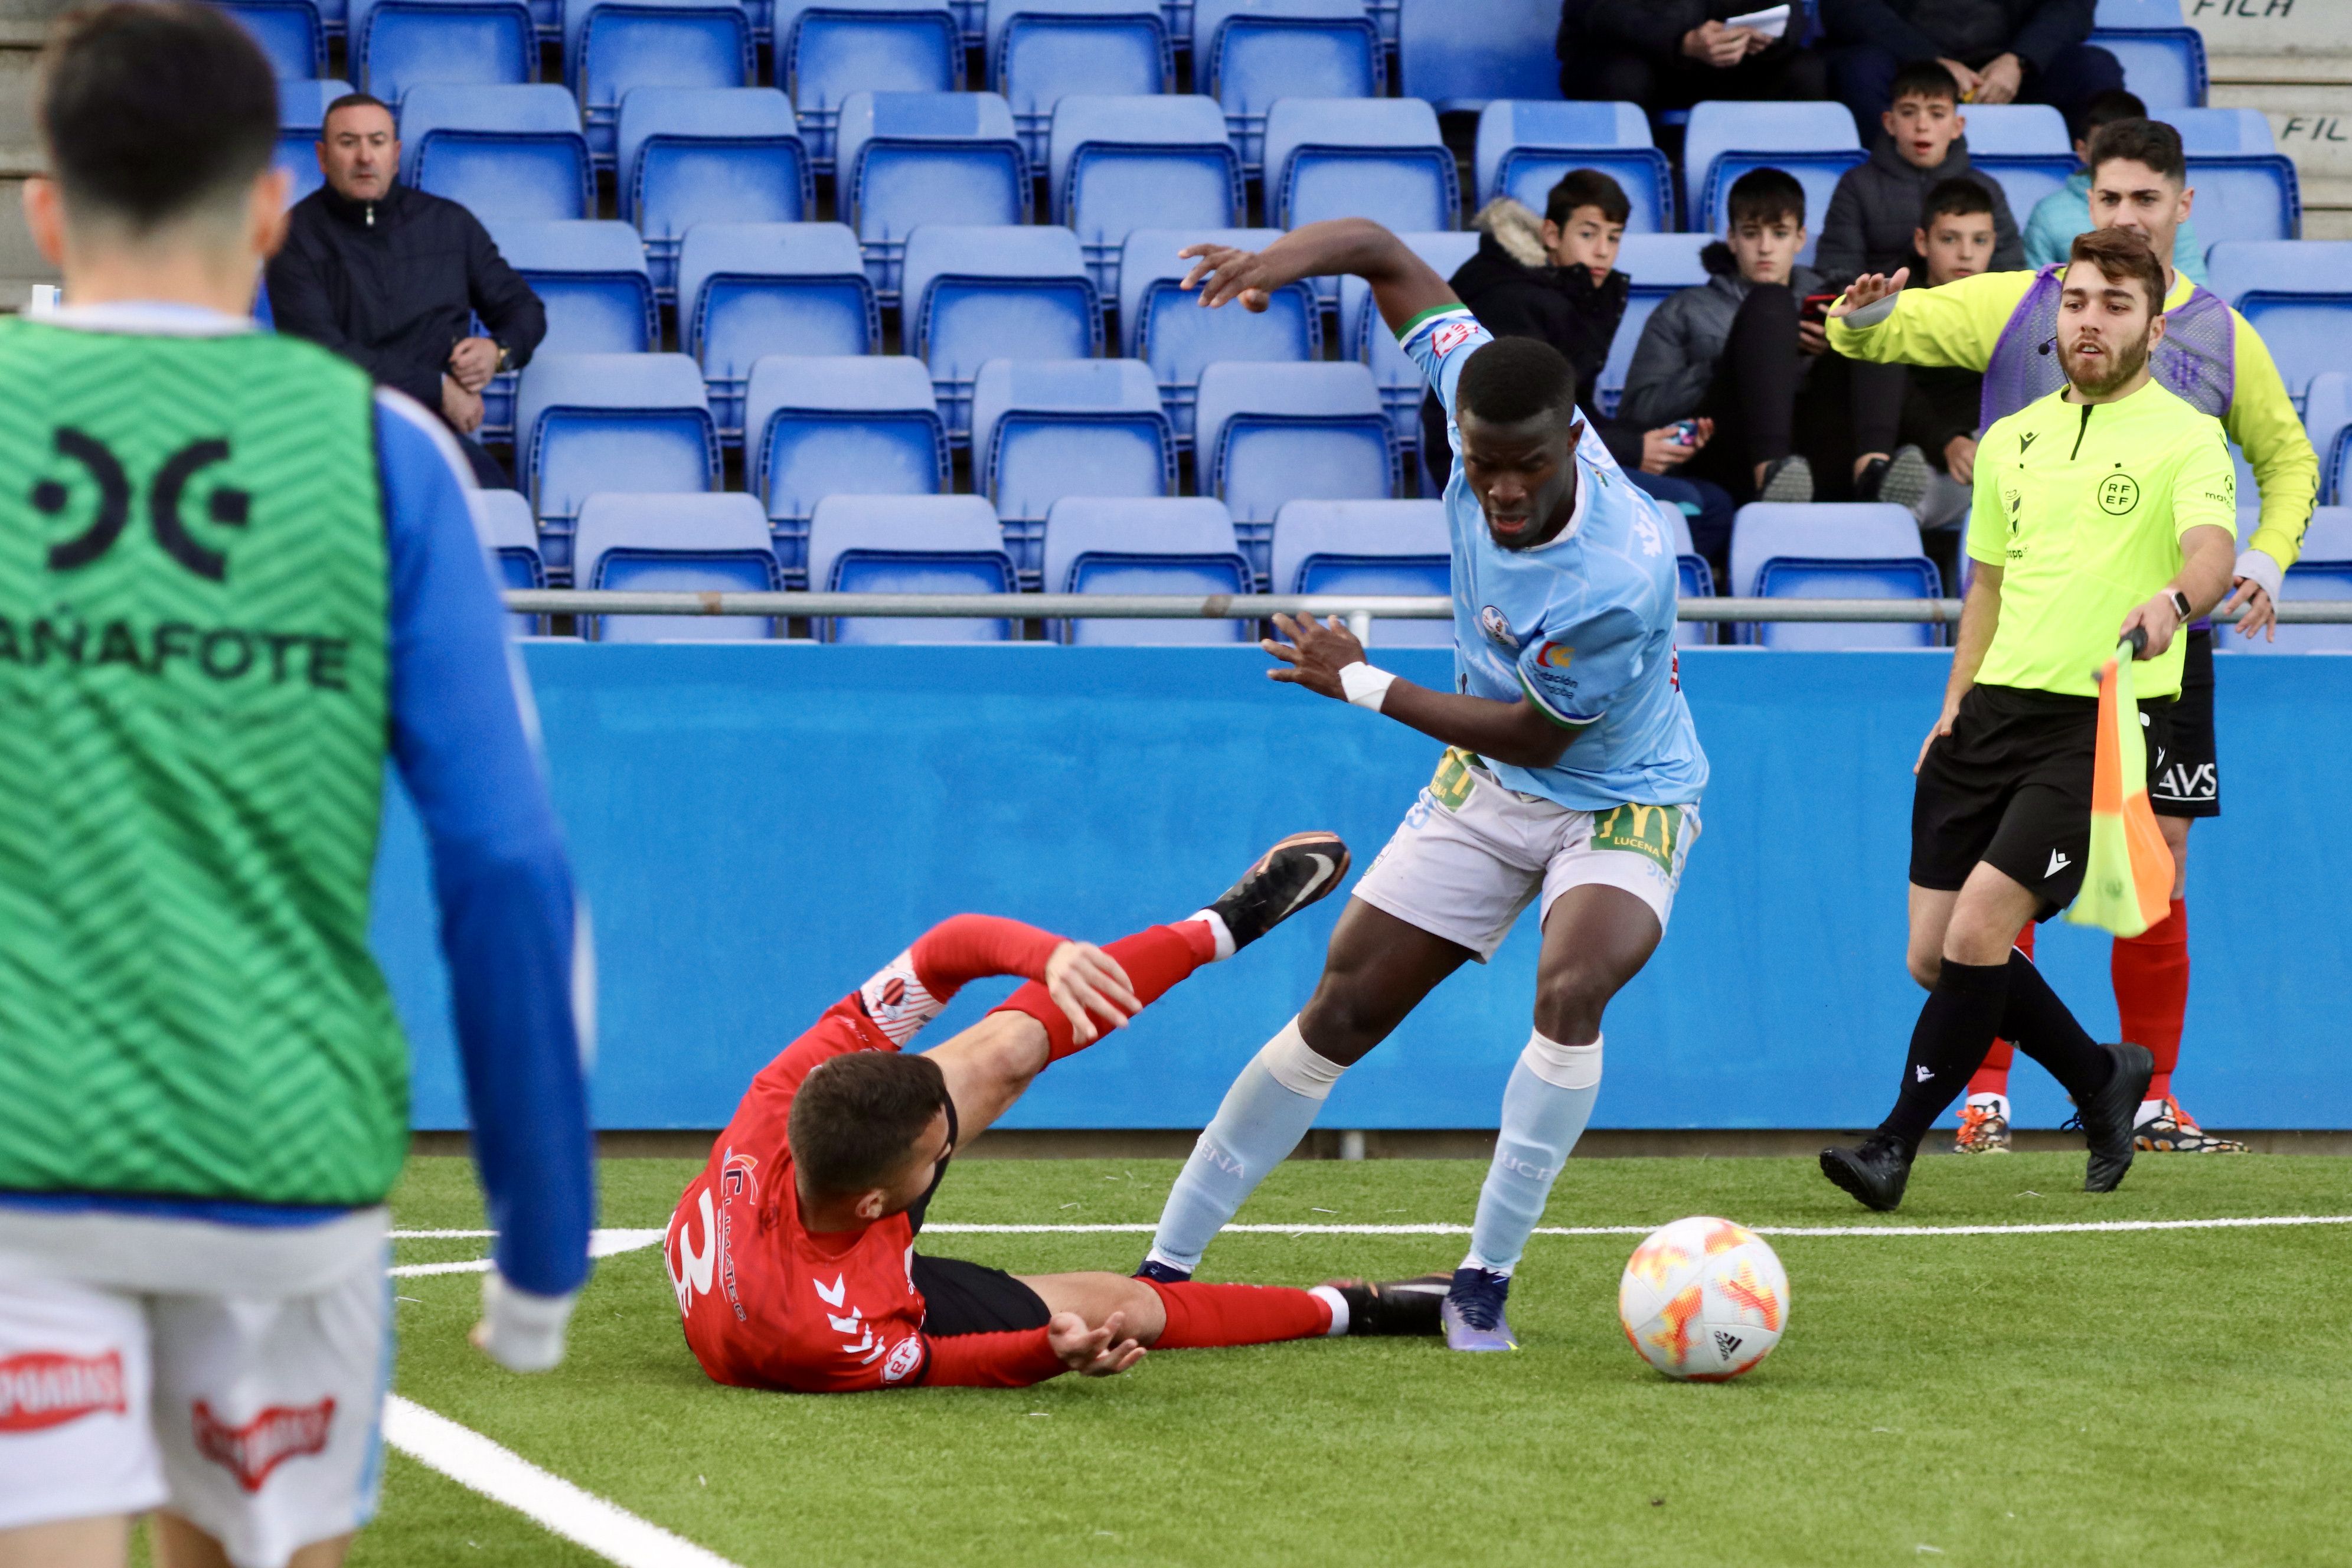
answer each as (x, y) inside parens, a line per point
(2049, 233)
(1441, 341)
(459, 736)
(2187, 253)
(1575, 674)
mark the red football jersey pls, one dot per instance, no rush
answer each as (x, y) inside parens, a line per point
(768, 1304)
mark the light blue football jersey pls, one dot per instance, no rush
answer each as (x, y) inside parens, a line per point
(1583, 627)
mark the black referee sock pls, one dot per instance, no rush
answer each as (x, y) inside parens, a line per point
(1956, 1028)
(2045, 1029)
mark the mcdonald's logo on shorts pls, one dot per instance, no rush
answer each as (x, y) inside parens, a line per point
(1655, 831)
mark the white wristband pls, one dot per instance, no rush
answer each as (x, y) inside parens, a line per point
(2257, 565)
(1365, 687)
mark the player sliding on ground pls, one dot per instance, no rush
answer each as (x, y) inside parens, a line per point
(793, 1254)
(2108, 506)
(1572, 774)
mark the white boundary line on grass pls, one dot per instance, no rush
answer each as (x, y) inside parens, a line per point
(478, 1465)
(601, 1244)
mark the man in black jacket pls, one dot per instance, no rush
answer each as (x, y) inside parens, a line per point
(393, 278)
(1670, 54)
(1998, 51)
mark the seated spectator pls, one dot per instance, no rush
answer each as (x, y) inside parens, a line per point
(393, 278)
(1671, 54)
(1741, 349)
(1875, 211)
(1553, 277)
(1998, 51)
(2064, 213)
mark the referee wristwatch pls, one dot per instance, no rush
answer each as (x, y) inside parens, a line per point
(2180, 603)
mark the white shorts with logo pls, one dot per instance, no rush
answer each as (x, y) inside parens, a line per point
(256, 1418)
(1472, 854)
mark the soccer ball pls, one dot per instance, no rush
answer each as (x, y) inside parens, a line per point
(1704, 1299)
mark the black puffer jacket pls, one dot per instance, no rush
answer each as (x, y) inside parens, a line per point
(394, 285)
(1876, 208)
(1972, 32)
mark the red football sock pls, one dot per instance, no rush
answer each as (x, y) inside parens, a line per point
(1993, 1076)
(2151, 977)
(1203, 1315)
(1154, 959)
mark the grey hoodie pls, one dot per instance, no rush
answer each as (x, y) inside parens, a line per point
(1876, 208)
(1674, 362)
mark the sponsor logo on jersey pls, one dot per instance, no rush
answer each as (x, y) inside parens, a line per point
(1498, 628)
(738, 1178)
(1555, 655)
(40, 1389)
(280, 1433)
(865, 1347)
(1653, 832)
(904, 1358)
(1451, 336)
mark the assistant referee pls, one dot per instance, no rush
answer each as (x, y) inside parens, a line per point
(2106, 506)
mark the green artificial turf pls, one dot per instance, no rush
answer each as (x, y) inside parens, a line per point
(2149, 1397)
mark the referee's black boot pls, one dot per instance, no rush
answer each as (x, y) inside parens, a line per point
(1875, 1173)
(2107, 1118)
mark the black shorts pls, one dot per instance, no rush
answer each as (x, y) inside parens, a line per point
(2187, 782)
(965, 1298)
(2010, 787)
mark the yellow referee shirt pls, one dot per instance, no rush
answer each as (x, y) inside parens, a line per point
(2082, 506)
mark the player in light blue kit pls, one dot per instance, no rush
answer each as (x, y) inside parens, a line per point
(1571, 769)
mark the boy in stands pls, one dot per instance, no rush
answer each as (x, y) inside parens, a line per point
(793, 1254)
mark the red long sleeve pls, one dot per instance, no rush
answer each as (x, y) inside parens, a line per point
(964, 948)
(1012, 1360)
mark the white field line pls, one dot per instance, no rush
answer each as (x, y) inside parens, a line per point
(476, 1463)
(601, 1244)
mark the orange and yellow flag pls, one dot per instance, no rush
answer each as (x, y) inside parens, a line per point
(2127, 882)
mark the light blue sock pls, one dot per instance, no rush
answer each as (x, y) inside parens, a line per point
(1268, 1110)
(1544, 1108)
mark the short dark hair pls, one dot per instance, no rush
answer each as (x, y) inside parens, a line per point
(1760, 195)
(2118, 254)
(2105, 109)
(1958, 197)
(1923, 78)
(2148, 141)
(1512, 379)
(1587, 188)
(354, 100)
(855, 1118)
(151, 109)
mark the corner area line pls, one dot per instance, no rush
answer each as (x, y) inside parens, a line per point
(2080, 1227)
(478, 1465)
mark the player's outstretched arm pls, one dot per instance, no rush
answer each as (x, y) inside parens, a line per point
(1325, 657)
(1404, 285)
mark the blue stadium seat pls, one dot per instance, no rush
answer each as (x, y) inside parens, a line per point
(510, 534)
(827, 49)
(1248, 53)
(689, 156)
(1815, 143)
(1379, 158)
(1525, 147)
(910, 158)
(1371, 547)
(395, 44)
(1270, 434)
(1097, 545)
(586, 423)
(2025, 146)
(1166, 327)
(1042, 51)
(1364, 336)
(500, 151)
(823, 426)
(1658, 264)
(2297, 294)
(2328, 416)
(908, 544)
(2325, 571)
(973, 294)
(2163, 58)
(1694, 578)
(1123, 163)
(650, 544)
(301, 109)
(2246, 189)
(612, 46)
(1044, 429)
(591, 276)
(1463, 55)
(290, 33)
(1852, 551)
(747, 291)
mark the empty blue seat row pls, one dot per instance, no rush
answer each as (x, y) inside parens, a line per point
(2328, 418)
(1858, 551)
(2296, 293)
(2163, 58)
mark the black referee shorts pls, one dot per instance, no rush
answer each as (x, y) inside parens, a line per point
(2010, 787)
(2188, 784)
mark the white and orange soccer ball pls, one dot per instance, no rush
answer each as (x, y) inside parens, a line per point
(1704, 1299)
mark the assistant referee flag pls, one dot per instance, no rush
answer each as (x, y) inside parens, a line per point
(2127, 882)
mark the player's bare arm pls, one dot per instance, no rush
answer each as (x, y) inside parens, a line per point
(1404, 285)
(1979, 616)
(2209, 555)
(1319, 657)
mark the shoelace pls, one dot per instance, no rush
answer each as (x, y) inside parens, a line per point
(1481, 1306)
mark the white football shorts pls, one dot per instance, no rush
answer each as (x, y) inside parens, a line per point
(1472, 854)
(258, 1418)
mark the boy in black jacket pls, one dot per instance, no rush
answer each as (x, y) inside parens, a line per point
(1876, 209)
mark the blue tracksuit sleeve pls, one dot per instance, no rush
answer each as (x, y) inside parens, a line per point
(459, 737)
